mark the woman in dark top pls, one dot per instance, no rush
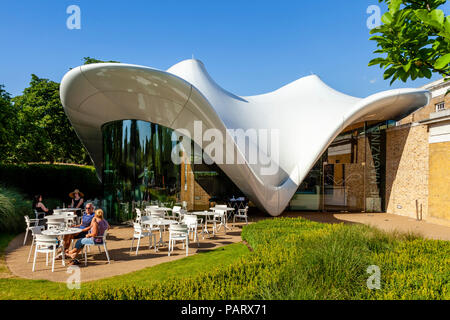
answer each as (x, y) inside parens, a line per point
(39, 206)
(77, 199)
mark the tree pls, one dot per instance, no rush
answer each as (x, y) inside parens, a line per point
(35, 128)
(8, 124)
(89, 60)
(415, 39)
(44, 131)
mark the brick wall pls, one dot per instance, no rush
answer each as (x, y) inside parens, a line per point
(407, 152)
(424, 113)
(439, 181)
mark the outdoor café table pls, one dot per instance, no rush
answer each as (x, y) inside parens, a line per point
(164, 209)
(57, 217)
(161, 223)
(204, 214)
(60, 233)
(224, 220)
(64, 210)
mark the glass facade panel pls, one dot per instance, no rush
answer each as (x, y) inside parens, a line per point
(351, 174)
(137, 168)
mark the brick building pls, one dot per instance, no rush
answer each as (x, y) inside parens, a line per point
(418, 160)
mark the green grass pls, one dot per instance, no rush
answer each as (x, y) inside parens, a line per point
(4, 240)
(293, 258)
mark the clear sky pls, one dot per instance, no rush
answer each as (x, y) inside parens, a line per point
(248, 47)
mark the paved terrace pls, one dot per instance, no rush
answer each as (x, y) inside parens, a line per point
(119, 242)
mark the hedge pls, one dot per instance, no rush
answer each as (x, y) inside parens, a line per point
(51, 180)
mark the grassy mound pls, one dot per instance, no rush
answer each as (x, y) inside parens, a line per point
(298, 259)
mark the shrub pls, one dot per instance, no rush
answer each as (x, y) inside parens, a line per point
(13, 207)
(52, 180)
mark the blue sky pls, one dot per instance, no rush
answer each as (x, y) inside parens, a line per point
(248, 47)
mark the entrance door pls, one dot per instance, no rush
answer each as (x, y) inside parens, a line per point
(343, 185)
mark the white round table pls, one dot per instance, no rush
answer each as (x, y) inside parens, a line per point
(63, 217)
(60, 233)
(225, 218)
(205, 214)
(160, 222)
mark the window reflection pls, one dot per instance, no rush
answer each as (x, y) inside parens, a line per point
(137, 167)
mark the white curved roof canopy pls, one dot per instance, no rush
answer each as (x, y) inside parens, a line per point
(307, 113)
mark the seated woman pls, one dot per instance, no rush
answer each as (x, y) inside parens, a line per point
(39, 206)
(98, 227)
(77, 199)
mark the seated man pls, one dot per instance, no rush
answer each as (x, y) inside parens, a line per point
(85, 226)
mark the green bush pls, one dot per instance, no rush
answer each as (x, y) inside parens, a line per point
(51, 180)
(13, 207)
(300, 259)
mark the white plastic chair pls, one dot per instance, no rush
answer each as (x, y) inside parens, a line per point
(45, 244)
(140, 233)
(181, 214)
(138, 216)
(170, 215)
(241, 214)
(37, 214)
(98, 245)
(178, 232)
(192, 223)
(222, 216)
(223, 207)
(34, 231)
(29, 223)
(176, 211)
(156, 214)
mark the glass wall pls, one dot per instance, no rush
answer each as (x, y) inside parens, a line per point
(137, 167)
(204, 184)
(351, 174)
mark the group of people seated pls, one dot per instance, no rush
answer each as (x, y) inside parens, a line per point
(77, 202)
(92, 226)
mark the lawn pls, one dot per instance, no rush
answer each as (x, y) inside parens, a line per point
(293, 258)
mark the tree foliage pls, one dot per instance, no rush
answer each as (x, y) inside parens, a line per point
(35, 128)
(8, 122)
(414, 40)
(89, 60)
(44, 131)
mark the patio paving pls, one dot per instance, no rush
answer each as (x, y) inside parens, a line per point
(118, 243)
(384, 221)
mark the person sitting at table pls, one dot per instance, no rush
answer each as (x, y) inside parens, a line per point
(39, 206)
(85, 226)
(77, 199)
(98, 227)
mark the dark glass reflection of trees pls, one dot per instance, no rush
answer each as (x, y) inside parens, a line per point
(137, 167)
